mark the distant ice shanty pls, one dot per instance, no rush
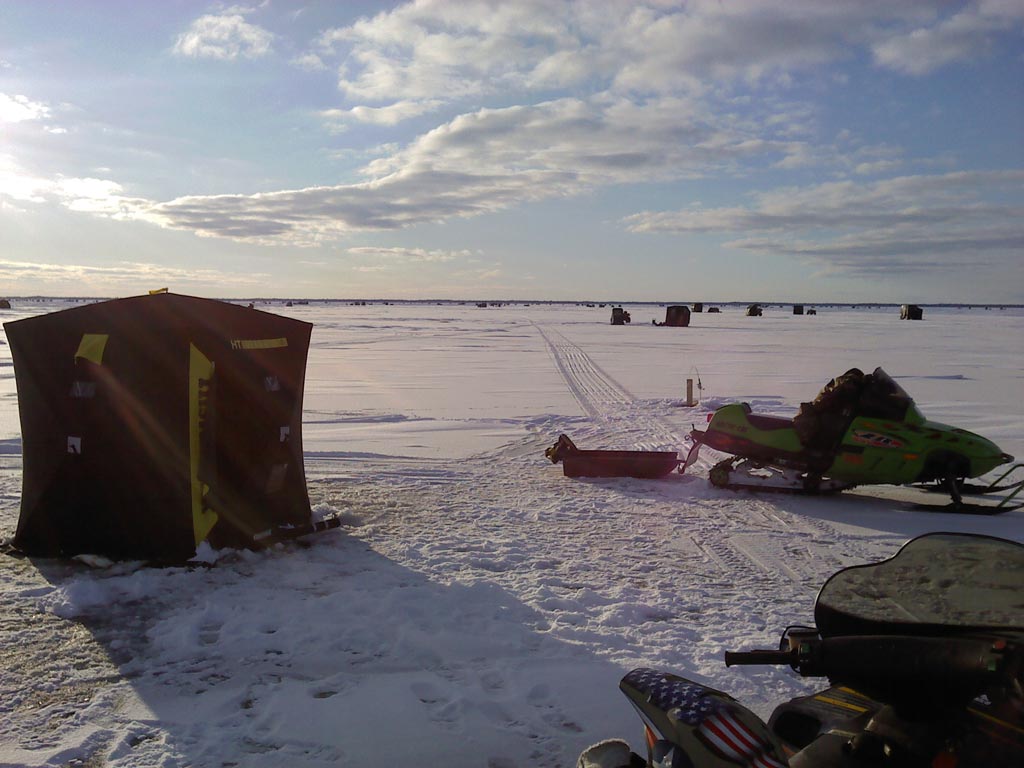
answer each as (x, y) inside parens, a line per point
(152, 424)
(911, 312)
(798, 309)
(754, 310)
(677, 316)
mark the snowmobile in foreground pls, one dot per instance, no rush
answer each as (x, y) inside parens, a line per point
(860, 430)
(924, 656)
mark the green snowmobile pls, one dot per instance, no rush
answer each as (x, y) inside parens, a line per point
(860, 430)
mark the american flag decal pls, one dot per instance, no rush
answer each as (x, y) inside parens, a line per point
(681, 699)
(733, 740)
(711, 716)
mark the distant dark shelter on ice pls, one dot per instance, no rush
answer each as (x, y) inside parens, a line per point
(754, 310)
(154, 423)
(620, 316)
(911, 312)
(798, 309)
(677, 316)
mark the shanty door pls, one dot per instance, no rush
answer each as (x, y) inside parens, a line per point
(247, 480)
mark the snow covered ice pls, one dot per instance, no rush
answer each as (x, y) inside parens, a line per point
(477, 608)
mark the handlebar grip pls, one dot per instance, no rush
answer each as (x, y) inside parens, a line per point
(759, 657)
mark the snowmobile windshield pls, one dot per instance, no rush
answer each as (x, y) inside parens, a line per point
(939, 583)
(883, 398)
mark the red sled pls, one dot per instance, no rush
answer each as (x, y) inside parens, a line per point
(641, 464)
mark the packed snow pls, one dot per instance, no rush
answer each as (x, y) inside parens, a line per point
(477, 608)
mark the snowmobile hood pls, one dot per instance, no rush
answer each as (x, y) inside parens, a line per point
(979, 452)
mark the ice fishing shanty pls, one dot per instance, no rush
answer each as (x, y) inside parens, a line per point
(677, 316)
(620, 316)
(152, 424)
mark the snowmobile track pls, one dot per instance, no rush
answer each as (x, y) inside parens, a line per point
(595, 391)
(599, 395)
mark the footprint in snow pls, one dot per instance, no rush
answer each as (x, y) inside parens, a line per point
(441, 708)
(492, 681)
(540, 698)
(209, 632)
(539, 695)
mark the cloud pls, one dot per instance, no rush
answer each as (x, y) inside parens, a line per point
(643, 112)
(96, 196)
(409, 254)
(703, 41)
(661, 94)
(438, 51)
(227, 37)
(309, 62)
(876, 167)
(903, 224)
(17, 109)
(965, 35)
(309, 217)
(389, 115)
(17, 183)
(492, 159)
(80, 279)
(484, 162)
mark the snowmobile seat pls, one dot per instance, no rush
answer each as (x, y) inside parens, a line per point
(766, 423)
(769, 423)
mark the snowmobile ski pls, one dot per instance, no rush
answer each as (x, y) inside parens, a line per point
(967, 508)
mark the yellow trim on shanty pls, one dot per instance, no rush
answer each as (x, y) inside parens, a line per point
(258, 343)
(91, 347)
(157, 291)
(199, 367)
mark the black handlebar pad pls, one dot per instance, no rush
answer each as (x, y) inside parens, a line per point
(943, 663)
(954, 664)
(733, 658)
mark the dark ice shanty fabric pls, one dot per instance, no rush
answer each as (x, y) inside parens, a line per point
(153, 423)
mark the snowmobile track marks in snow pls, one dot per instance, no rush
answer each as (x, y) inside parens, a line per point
(326, 472)
(764, 552)
(596, 392)
(701, 550)
(599, 395)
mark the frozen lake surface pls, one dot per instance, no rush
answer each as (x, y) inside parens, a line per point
(477, 608)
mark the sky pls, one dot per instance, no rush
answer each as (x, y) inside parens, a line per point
(849, 150)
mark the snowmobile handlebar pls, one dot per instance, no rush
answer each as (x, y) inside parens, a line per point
(951, 664)
(735, 658)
